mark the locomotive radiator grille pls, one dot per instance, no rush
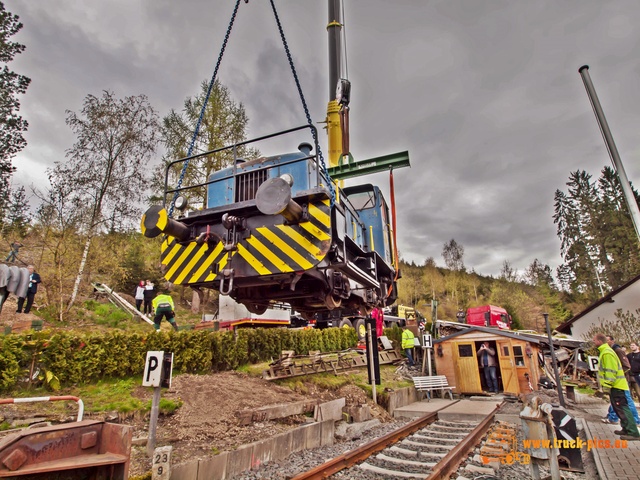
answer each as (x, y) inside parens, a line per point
(247, 184)
(267, 251)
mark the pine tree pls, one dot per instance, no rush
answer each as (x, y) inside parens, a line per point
(12, 84)
(224, 123)
(17, 217)
(598, 242)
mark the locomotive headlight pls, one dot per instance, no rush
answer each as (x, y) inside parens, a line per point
(287, 177)
(181, 203)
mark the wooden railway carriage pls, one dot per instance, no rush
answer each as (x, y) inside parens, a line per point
(271, 232)
(456, 358)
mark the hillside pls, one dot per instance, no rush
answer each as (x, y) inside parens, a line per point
(454, 290)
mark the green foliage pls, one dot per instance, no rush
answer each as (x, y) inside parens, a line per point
(10, 355)
(167, 406)
(12, 125)
(68, 358)
(16, 215)
(224, 123)
(598, 242)
(624, 329)
(145, 476)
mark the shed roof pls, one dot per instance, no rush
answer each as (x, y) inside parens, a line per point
(493, 331)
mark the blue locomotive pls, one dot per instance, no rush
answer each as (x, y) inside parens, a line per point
(273, 230)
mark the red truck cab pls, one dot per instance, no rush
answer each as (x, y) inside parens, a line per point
(489, 316)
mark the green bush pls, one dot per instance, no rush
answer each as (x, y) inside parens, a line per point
(10, 355)
(82, 358)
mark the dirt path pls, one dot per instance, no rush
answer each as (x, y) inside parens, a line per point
(207, 422)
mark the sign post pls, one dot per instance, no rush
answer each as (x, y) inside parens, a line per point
(427, 344)
(157, 374)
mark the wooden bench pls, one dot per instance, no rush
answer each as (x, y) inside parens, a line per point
(436, 382)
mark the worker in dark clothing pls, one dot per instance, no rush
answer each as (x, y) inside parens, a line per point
(634, 361)
(163, 307)
(487, 356)
(34, 280)
(13, 254)
(148, 295)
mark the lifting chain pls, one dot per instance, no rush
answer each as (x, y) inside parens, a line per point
(323, 166)
(204, 104)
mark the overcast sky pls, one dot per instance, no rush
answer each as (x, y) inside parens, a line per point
(485, 96)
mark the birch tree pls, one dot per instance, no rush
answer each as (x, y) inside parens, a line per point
(106, 168)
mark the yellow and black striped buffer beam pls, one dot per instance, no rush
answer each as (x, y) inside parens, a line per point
(269, 250)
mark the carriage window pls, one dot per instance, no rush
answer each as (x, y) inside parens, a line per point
(517, 353)
(465, 351)
(362, 200)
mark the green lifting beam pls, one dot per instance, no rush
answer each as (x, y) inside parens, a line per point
(372, 165)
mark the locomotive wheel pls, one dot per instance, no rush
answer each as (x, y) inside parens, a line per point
(345, 323)
(361, 329)
(332, 302)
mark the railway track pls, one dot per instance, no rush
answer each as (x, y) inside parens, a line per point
(426, 448)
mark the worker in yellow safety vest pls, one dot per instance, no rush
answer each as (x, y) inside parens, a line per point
(408, 344)
(163, 307)
(613, 380)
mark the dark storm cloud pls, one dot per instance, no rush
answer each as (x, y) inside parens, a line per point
(486, 96)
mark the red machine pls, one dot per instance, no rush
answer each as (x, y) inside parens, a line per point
(489, 316)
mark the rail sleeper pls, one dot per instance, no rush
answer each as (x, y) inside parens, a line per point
(436, 382)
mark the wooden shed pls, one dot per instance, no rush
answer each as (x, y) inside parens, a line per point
(518, 367)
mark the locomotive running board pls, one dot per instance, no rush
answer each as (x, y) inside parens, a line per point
(289, 365)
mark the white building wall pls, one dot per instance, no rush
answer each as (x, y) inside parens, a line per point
(626, 300)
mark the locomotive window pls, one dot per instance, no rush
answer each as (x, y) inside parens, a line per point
(465, 351)
(362, 200)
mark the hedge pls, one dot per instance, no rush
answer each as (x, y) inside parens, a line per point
(83, 358)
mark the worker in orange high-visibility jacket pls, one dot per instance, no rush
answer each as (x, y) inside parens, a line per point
(163, 307)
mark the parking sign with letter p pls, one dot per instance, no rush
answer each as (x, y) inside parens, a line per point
(153, 369)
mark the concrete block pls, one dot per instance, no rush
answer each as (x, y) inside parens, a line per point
(312, 435)
(284, 448)
(263, 451)
(214, 468)
(298, 440)
(239, 460)
(271, 412)
(161, 468)
(358, 413)
(186, 471)
(327, 433)
(329, 411)
(401, 397)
